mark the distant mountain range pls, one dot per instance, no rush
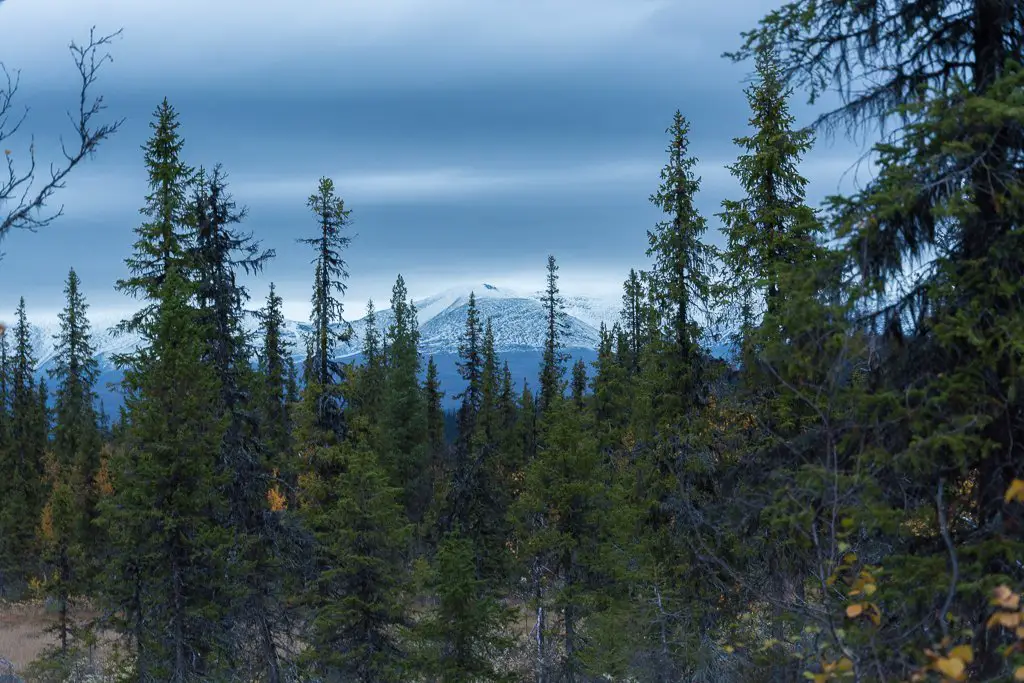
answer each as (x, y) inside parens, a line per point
(518, 319)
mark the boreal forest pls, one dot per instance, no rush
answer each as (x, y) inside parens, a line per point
(841, 499)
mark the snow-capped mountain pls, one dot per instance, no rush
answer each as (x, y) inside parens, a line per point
(518, 320)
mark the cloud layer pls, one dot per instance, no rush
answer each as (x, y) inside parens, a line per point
(468, 137)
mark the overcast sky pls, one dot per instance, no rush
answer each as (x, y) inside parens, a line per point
(470, 138)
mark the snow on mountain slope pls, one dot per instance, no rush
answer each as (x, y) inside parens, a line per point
(518, 320)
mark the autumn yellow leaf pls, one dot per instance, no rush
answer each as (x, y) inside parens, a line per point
(854, 611)
(1005, 598)
(951, 668)
(276, 500)
(1018, 674)
(1004, 619)
(844, 665)
(7, 152)
(1015, 492)
(962, 652)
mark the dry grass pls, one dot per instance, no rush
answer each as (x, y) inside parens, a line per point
(23, 634)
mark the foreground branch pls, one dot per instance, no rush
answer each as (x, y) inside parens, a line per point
(21, 204)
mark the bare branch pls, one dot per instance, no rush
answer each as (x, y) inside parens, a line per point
(22, 206)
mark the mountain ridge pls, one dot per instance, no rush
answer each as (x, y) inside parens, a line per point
(518, 319)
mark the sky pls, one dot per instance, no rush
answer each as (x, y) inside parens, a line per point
(470, 138)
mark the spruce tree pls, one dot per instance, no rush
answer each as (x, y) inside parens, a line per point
(77, 441)
(330, 274)
(69, 541)
(470, 366)
(433, 395)
(23, 489)
(275, 421)
(469, 487)
(680, 279)
(579, 382)
(771, 228)
(368, 390)
(635, 318)
(562, 509)
(554, 358)
(488, 420)
(170, 575)
(465, 635)
(357, 598)
(162, 239)
(219, 253)
(611, 388)
(404, 417)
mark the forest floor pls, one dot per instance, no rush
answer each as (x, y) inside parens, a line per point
(23, 635)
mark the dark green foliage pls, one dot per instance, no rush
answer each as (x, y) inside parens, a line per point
(275, 366)
(162, 239)
(464, 637)
(170, 576)
(553, 361)
(357, 597)
(579, 382)
(433, 396)
(248, 458)
(403, 437)
(330, 274)
(680, 279)
(70, 544)
(771, 229)
(841, 503)
(22, 487)
(563, 509)
(471, 370)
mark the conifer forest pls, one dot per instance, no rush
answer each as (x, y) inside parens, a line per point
(842, 499)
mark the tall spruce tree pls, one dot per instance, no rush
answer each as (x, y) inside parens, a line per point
(562, 509)
(466, 491)
(635, 318)
(358, 602)
(433, 396)
(71, 542)
(219, 253)
(275, 420)
(368, 391)
(771, 228)
(470, 366)
(553, 362)
(170, 576)
(163, 239)
(680, 279)
(404, 417)
(23, 485)
(465, 636)
(330, 274)
(76, 442)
